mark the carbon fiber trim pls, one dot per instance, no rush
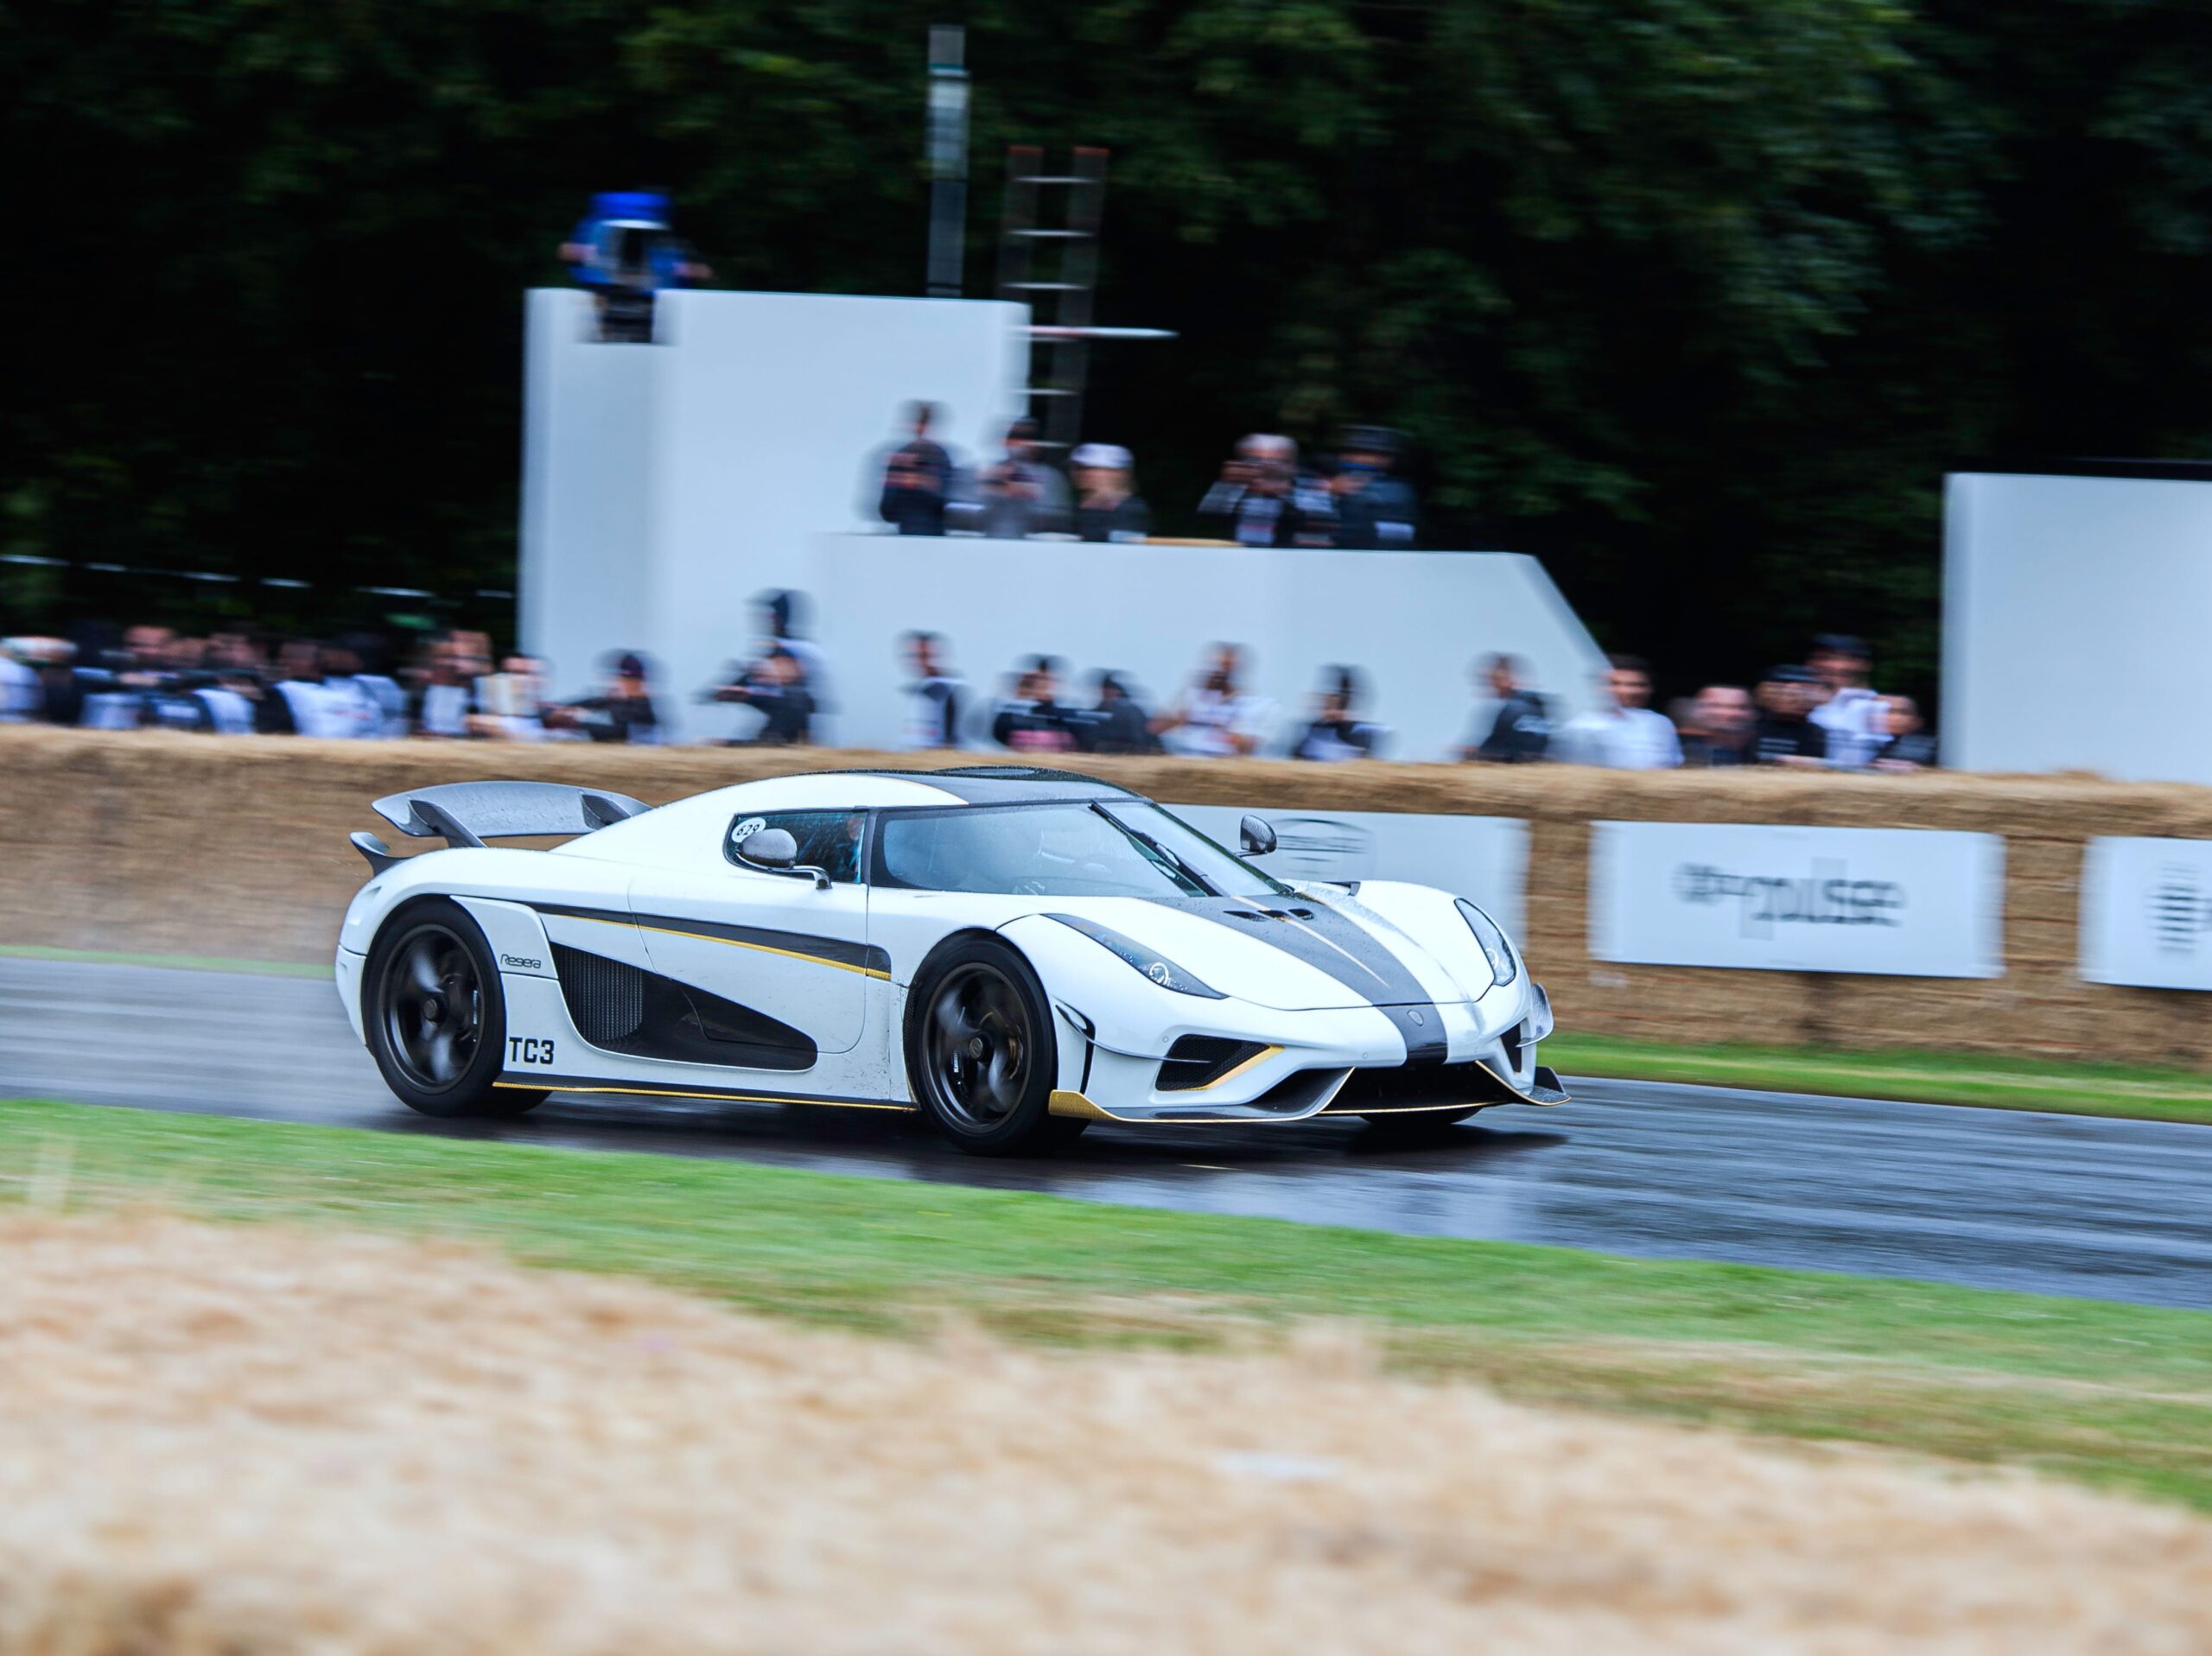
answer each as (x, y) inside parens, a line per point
(537, 1082)
(799, 945)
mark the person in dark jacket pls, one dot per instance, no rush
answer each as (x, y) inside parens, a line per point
(1720, 730)
(776, 687)
(1521, 731)
(1376, 509)
(917, 478)
(1033, 720)
(1785, 733)
(1335, 732)
(1118, 724)
(1904, 744)
(1260, 500)
(624, 712)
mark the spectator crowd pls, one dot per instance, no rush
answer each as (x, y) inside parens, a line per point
(1823, 715)
(448, 685)
(1266, 496)
(235, 683)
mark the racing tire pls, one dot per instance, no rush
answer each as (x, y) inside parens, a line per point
(435, 1017)
(981, 1056)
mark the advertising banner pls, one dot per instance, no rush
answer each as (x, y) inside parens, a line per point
(2146, 912)
(1483, 858)
(1893, 902)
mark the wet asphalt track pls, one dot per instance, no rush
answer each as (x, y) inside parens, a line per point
(2058, 1204)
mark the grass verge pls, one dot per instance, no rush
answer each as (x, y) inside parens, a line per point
(1924, 1077)
(2113, 1394)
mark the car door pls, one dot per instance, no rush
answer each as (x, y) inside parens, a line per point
(785, 961)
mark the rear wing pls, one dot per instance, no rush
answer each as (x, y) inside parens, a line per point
(470, 813)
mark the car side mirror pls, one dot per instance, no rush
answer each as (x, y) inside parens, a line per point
(773, 851)
(770, 847)
(1257, 834)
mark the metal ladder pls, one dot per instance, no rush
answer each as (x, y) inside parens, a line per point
(1064, 343)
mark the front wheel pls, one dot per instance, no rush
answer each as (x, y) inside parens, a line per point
(436, 1018)
(980, 1057)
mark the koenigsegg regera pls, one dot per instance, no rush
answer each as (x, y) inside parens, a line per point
(1017, 952)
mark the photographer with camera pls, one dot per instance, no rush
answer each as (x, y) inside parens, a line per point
(1260, 500)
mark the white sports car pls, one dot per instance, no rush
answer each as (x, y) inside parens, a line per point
(1017, 952)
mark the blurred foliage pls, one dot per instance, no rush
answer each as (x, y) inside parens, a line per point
(1695, 298)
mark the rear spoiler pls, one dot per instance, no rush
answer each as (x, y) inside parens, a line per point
(469, 813)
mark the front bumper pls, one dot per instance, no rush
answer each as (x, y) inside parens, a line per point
(1338, 1069)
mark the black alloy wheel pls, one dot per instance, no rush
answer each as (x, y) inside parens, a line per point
(435, 1019)
(981, 1056)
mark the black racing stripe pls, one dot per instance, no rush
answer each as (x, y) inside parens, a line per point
(1422, 1029)
(1312, 932)
(836, 951)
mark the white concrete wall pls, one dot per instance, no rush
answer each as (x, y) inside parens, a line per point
(2076, 610)
(665, 485)
(1412, 622)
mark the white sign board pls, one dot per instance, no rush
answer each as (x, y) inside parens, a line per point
(1894, 902)
(2146, 912)
(1483, 858)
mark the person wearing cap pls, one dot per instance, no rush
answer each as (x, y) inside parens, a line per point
(1623, 733)
(1118, 722)
(1106, 507)
(1020, 495)
(624, 712)
(1376, 509)
(1784, 733)
(1849, 712)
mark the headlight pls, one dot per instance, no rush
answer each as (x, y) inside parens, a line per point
(1504, 968)
(1161, 970)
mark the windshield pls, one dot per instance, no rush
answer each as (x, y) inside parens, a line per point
(1120, 849)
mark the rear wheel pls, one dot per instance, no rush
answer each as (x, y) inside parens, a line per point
(980, 1057)
(435, 1019)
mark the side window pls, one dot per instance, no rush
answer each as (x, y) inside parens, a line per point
(831, 841)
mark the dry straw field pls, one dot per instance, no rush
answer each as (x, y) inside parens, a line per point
(247, 1439)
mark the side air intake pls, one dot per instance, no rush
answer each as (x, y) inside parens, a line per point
(624, 1008)
(606, 999)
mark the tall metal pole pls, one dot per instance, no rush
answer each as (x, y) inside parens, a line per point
(946, 151)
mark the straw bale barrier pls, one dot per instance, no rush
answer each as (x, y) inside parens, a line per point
(200, 846)
(252, 1441)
